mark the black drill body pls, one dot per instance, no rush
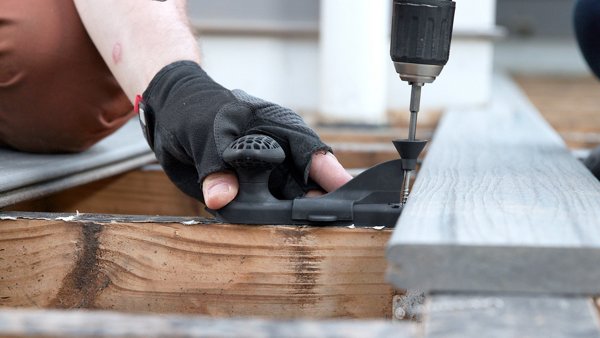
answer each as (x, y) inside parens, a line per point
(422, 31)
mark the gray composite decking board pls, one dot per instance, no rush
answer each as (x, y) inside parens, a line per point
(82, 324)
(499, 205)
(59, 184)
(26, 175)
(18, 169)
(455, 316)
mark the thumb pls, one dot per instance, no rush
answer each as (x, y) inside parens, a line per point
(219, 189)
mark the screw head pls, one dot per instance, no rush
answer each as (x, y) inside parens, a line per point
(399, 313)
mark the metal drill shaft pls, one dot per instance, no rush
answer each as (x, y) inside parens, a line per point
(415, 105)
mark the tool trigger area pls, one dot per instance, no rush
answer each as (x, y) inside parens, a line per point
(370, 199)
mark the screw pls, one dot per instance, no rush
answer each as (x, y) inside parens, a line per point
(399, 313)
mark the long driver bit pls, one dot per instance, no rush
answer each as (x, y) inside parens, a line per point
(415, 105)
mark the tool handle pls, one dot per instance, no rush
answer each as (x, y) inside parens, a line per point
(253, 157)
(422, 31)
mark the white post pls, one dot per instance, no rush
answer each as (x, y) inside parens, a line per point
(354, 55)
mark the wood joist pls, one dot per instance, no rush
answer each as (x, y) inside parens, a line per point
(570, 104)
(159, 264)
(145, 191)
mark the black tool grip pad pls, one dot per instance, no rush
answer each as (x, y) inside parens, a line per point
(254, 151)
(253, 157)
(422, 31)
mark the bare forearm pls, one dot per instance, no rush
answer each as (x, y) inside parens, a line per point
(137, 38)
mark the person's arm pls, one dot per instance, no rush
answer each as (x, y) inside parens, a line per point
(139, 39)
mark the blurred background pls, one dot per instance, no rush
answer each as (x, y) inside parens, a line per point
(329, 59)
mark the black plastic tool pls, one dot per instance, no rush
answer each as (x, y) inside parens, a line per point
(370, 199)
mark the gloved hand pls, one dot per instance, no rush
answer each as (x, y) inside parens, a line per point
(190, 120)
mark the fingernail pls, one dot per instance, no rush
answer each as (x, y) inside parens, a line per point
(219, 188)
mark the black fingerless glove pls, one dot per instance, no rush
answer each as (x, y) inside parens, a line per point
(190, 120)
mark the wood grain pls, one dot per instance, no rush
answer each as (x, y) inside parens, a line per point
(499, 205)
(162, 265)
(30, 273)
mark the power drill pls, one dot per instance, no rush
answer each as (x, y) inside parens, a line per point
(420, 47)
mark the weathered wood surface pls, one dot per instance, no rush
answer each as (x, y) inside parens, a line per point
(25, 176)
(571, 104)
(476, 316)
(499, 205)
(84, 324)
(160, 264)
(145, 191)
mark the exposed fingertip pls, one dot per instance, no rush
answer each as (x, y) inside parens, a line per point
(219, 189)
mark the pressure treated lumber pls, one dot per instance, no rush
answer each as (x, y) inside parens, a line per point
(499, 205)
(571, 104)
(171, 264)
(84, 324)
(144, 191)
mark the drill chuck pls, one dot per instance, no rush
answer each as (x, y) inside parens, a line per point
(421, 36)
